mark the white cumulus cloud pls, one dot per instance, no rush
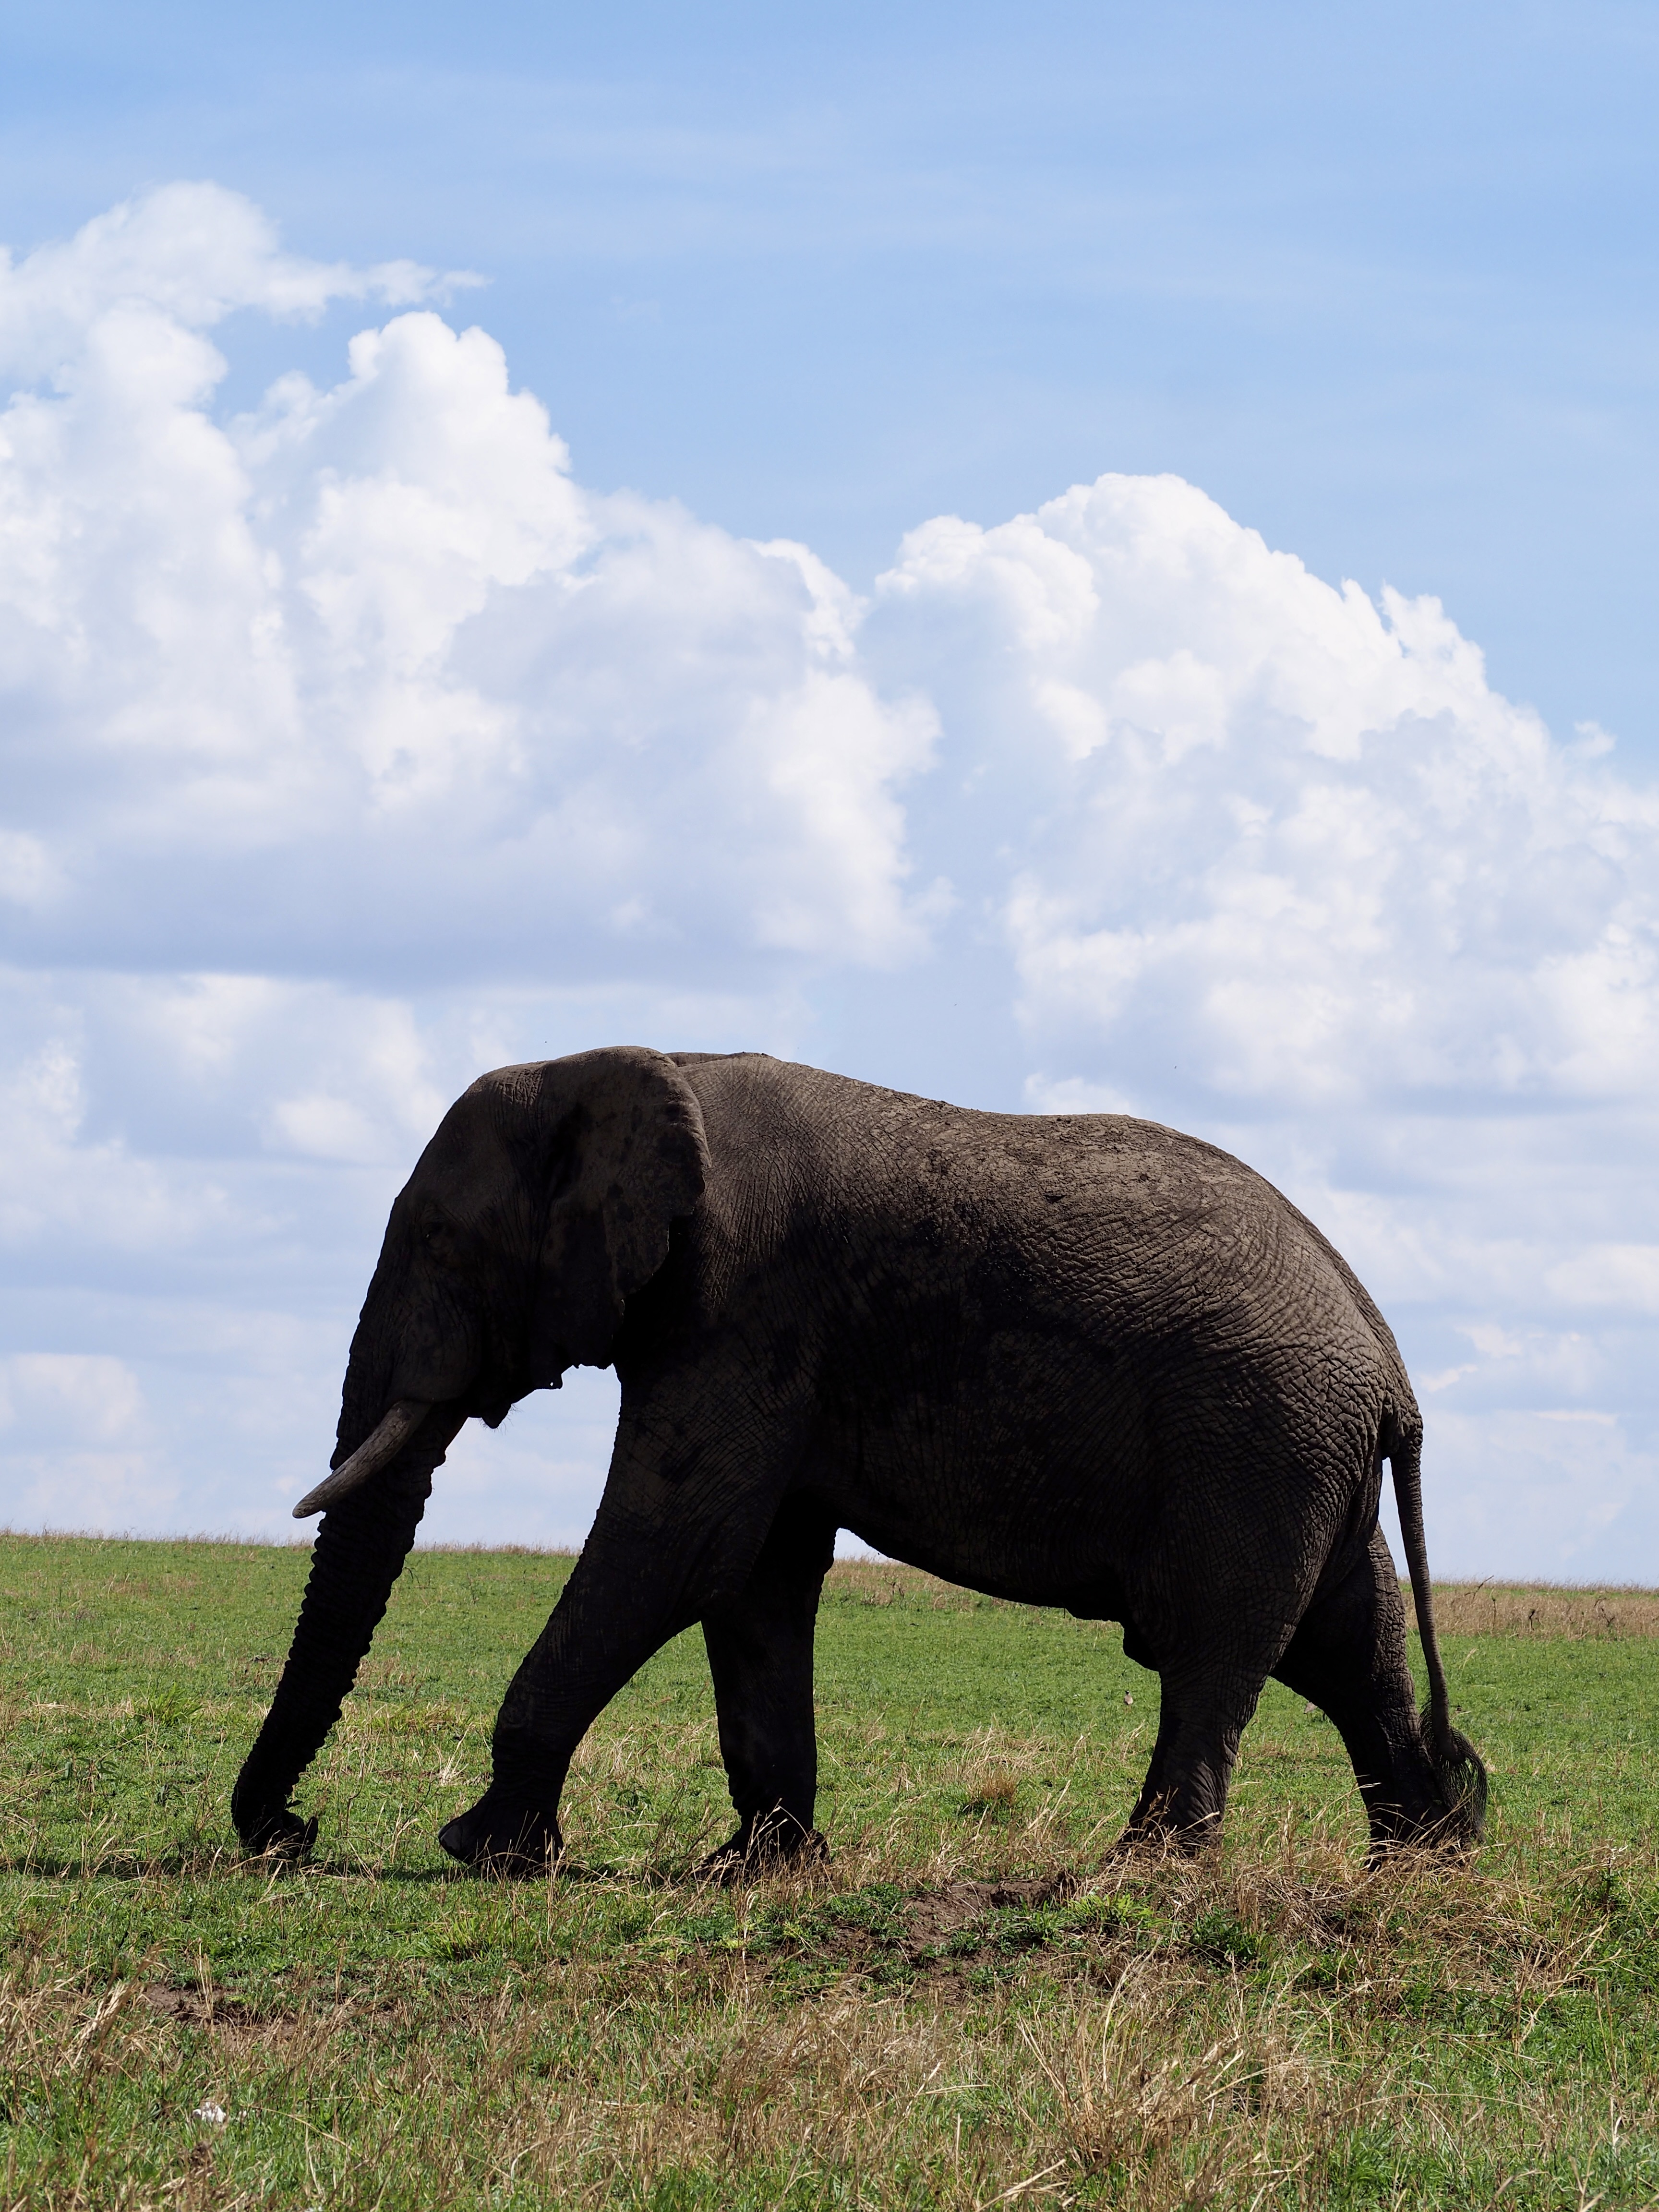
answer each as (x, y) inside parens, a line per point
(353, 744)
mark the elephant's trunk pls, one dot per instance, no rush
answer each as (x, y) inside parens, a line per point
(362, 1544)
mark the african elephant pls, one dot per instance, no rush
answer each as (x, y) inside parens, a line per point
(1076, 1360)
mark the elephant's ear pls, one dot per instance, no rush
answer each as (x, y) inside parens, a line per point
(623, 1156)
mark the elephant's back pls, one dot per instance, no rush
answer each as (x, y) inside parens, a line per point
(1105, 1225)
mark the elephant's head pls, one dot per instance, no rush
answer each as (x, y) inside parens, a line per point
(544, 1201)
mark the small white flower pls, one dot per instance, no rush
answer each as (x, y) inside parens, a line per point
(215, 2113)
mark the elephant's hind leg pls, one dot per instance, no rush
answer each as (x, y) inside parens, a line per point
(1348, 1656)
(760, 1653)
(1203, 1714)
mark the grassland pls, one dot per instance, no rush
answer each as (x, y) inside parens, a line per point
(972, 2005)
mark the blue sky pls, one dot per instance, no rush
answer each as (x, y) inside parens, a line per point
(854, 563)
(1384, 285)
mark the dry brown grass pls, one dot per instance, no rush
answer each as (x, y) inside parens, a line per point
(1544, 1609)
(1484, 1608)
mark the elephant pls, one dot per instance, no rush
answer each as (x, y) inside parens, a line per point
(1076, 1360)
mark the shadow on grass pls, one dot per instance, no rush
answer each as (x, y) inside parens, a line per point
(192, 1866)
(182, 1866)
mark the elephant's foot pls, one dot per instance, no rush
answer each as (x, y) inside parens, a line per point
(764, 1846)
(1444, 1835)
(1158, 1838)
(512, 1841)
(278, 1835)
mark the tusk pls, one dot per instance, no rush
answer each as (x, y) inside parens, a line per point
(388, 1440)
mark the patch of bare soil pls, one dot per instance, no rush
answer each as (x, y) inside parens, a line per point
(941, 1913)
(276, 2025)
(934, 1937)
(198, 2007)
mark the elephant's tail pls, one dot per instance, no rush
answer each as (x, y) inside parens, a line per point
(1457, 1765)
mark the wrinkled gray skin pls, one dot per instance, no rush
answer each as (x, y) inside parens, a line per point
(1078, 1360)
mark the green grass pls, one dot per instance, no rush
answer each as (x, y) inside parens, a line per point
(973, 1999)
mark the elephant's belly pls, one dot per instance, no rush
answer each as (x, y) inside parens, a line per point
(1031, 1475)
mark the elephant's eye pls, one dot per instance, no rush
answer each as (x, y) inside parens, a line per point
(435, 1240)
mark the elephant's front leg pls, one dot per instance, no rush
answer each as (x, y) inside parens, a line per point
(666, 1548)
(760, 1653)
